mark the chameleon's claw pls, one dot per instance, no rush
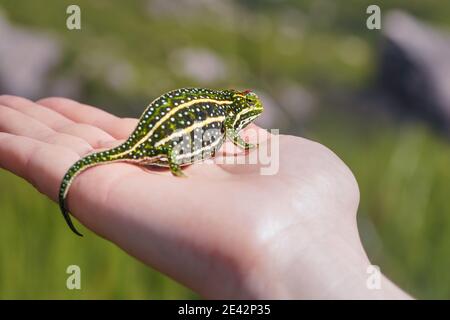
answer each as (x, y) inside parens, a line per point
(249, 146)
(238, 141)
(174, 166)
(177, 171)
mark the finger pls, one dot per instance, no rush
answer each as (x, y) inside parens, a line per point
(105, 145)
(54, 120)
(110, 144)
(47, 116)
(94, 136)
(117, 127)
(40, 163)
(17, 123)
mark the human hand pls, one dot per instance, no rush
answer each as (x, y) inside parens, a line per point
(226, 231)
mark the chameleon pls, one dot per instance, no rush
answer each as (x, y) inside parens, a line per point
(178, 128)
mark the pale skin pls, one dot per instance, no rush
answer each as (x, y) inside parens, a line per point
(225, 231)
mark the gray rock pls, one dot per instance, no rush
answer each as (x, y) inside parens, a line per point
(415, 68)
(26, 59)
(199, 64)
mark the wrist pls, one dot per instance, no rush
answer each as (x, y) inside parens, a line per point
(308, 263)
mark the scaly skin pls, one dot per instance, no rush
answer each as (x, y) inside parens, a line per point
(178, 128)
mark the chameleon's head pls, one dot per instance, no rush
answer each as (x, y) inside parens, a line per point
(245, 108)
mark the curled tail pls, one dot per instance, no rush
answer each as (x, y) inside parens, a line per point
(88, 161)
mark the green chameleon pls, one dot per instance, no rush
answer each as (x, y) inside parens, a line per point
(178, 128)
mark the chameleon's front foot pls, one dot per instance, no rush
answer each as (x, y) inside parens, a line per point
(248, 146)
(238, 141)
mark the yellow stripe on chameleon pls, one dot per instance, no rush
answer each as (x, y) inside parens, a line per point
(238, 116)
(167, 116)
(187, 130)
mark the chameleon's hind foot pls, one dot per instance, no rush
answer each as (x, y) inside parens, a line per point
(174, 166)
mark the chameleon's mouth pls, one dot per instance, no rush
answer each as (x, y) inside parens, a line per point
(258, 107)
(248, 120)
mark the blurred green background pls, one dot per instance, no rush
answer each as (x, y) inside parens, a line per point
(313, 62)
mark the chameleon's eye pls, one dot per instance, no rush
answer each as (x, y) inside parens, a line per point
(250, 98)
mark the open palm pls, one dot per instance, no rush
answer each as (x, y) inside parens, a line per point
(225, 231)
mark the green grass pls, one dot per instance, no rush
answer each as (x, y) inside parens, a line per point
(404, 214)
(36, 249)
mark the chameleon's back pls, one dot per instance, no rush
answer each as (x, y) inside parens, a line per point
(189, 121)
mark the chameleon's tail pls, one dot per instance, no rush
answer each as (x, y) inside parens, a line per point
(88, 161)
